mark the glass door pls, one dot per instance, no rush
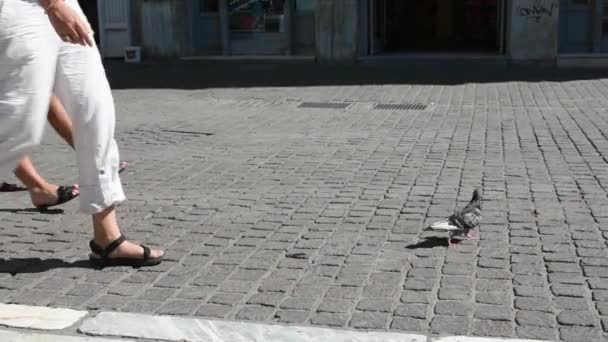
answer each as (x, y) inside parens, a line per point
(257, 27)
(377, 24)
(576, 26)
(603, 26)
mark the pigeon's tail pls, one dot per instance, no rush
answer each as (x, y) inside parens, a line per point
(442, 225)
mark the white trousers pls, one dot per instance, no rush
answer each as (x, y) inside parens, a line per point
(34, 63)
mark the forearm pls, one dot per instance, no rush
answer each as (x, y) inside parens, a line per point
(48, 4)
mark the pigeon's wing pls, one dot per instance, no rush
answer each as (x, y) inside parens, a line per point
(471, 218)
(443, 225)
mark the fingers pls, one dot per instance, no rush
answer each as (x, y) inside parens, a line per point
(84, 34)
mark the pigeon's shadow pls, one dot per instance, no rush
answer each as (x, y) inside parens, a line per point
(32, 210)
(36, 265)
(430, 242)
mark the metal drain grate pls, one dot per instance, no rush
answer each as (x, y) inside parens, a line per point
(324, 105)
(187, 132)
(400, 106)
(158, 136)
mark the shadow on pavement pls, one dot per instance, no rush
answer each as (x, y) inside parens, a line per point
(31, 210)
(430, 243)
(15, 266)
(243, 74)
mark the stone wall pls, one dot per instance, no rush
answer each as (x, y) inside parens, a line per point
(533, 30)
(337, 27)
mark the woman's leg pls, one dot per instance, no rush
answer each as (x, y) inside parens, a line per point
(83, 89)
(42, 192)
(28, 54)
(60, 120)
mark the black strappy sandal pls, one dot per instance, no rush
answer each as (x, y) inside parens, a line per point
(103, 259)
(9, 187)
(64, 195)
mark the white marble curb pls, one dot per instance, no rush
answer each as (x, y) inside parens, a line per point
(198, 330)
(178, 329)
(15, 336)
(37, 317)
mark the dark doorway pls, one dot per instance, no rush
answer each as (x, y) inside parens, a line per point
(89, 7)
(439, 25)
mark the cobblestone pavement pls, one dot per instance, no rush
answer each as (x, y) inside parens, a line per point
(351, 190)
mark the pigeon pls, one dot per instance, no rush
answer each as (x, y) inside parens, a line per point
(463, 220)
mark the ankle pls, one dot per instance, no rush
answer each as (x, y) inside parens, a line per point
(42, 187)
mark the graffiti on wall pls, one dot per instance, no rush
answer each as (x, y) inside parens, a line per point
(537, 9)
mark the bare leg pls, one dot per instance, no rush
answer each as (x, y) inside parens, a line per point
(105, 230)
(60, 120)
(41, 191)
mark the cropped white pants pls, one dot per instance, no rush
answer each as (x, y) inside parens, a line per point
(34, 63)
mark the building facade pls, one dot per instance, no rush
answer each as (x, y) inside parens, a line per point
(347, 30)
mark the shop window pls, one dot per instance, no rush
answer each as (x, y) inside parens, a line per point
(305, 5)
(212, 6)
(256, 15)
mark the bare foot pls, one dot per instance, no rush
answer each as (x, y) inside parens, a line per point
(471, 236)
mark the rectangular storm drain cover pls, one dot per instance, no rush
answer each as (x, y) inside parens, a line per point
(324, 105)
(400, 106)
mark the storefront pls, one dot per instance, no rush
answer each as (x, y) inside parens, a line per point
(253, 27)
(436, 26)
(347, 30)
(583, 26)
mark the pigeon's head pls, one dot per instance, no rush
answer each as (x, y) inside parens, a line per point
(476, 195)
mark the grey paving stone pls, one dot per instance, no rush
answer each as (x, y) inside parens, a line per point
(450, 325)
(409, 324)
(299, 303)
(535, 318)
(214, 310)
(536, 333)
(180, 307)
(270, 299)
(416, 297)
(369, 320)
(418, 311)
(452, 293)
(336, 305)
(453, 308)
(491, 328)
(529, 291)
(292, 316)
(570, 303)
(226, 298)
(493, 312)
(495, 298)
(534, 304)
(580, 318)
(375, 304)
(141, 306)
(255, 313)
(330, 319)
(343, 292)
(580, 334)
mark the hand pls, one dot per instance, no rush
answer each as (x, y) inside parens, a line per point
(69, 25)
